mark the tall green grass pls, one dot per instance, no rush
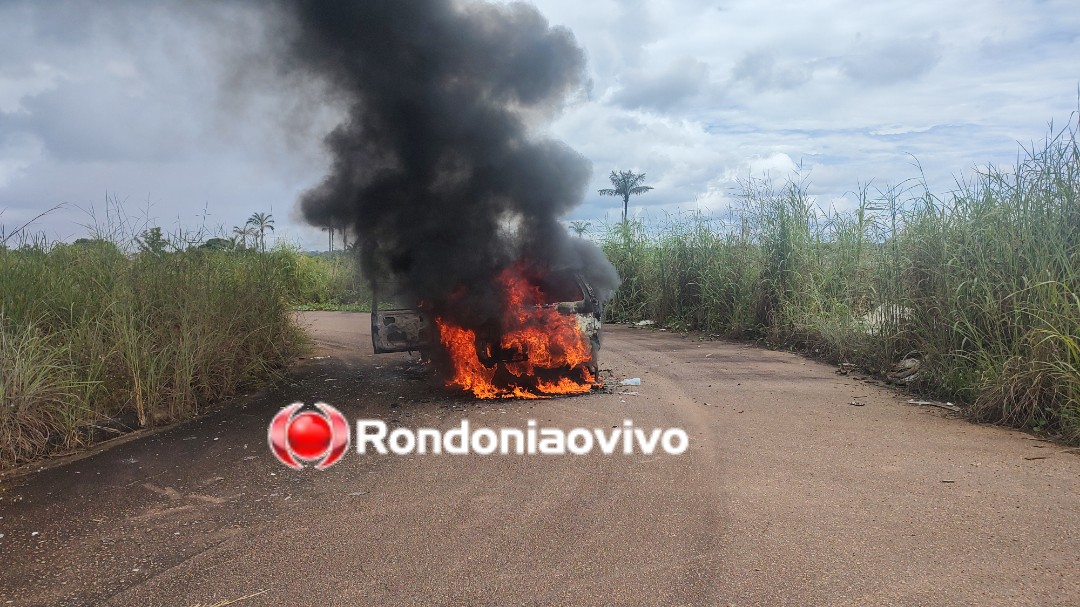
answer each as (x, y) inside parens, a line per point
(981, 284)
(330, 281)
(91, 333)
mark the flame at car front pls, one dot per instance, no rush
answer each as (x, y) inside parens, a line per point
(536, 351)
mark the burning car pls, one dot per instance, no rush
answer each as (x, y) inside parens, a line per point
(541, 339)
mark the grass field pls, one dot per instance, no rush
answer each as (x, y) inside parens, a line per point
(982, 285)
(94, 336)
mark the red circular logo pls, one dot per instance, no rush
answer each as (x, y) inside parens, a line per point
(309, 435)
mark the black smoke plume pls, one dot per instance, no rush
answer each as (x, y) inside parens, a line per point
(439, 168)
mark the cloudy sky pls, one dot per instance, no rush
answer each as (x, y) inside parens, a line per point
(133, 101)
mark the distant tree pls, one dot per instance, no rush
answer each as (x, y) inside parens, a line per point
(98, 243)
(152, 241)
(218, 244)
(240, 235)
(261, 222)
(330, 230)
(344, 238)
(579, 228)
(626, 183)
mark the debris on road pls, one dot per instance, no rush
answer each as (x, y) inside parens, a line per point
(934, 403)
(905, 371)
(645, 323)
(633, 381)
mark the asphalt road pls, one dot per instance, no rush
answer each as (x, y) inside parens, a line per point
(788, 495)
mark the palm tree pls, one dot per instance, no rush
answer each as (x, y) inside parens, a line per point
(261, 222)
(344, 238)
(579, 228)
(240, 235)
(329, 229)
(626, 183)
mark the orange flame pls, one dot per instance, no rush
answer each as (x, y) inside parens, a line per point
(541, 351)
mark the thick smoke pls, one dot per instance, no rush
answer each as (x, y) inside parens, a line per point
(438, 169)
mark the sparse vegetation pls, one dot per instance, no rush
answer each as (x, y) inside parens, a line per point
(982, 285)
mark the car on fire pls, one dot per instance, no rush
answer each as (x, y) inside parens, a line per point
(411, 329)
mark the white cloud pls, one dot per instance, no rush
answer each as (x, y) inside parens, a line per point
(697, 94)
(19, 82)
(663, 89)
(893, 61)
(762, 71)
(849, 90)
(16, 154)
